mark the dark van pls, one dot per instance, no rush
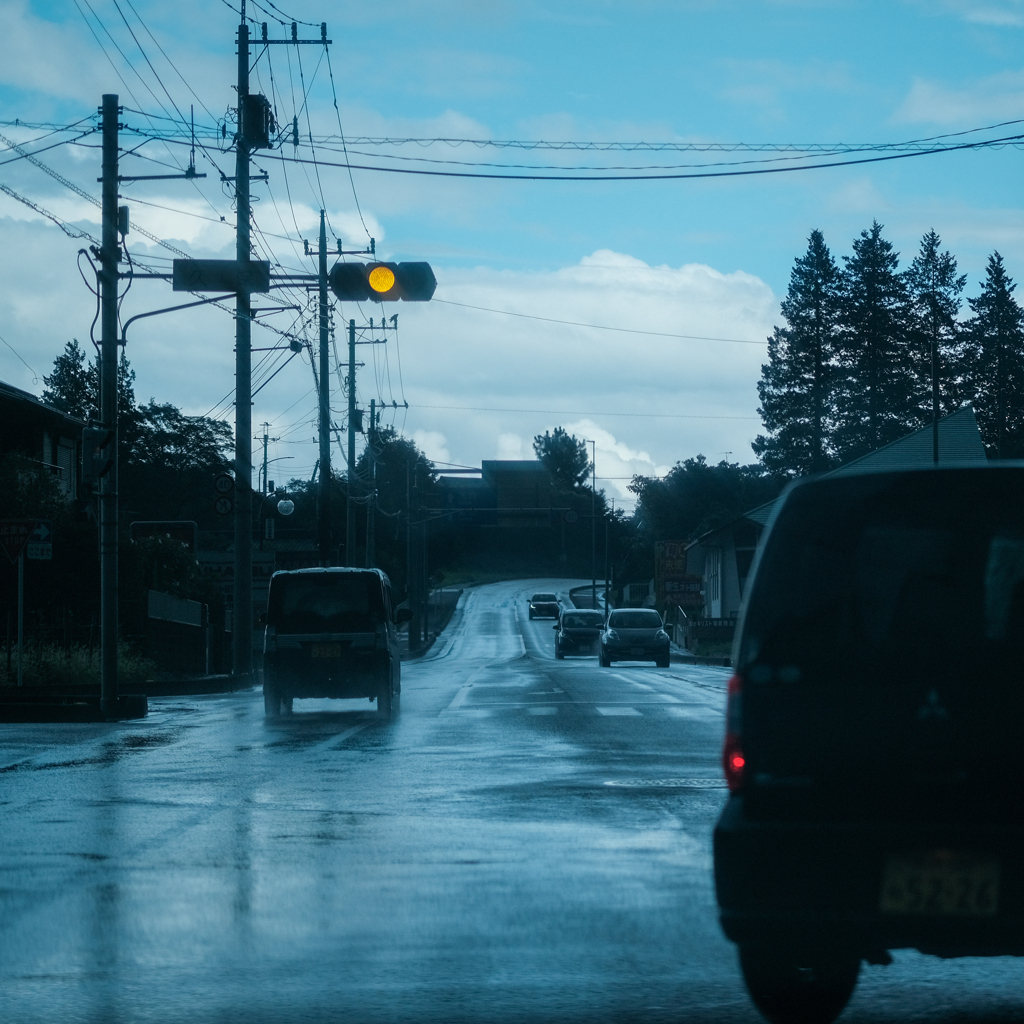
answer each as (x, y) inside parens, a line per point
(874, 734)
(331, 633)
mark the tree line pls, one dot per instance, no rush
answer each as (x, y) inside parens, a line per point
(868, 353)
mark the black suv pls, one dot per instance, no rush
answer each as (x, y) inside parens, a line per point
(331, 633)
(874, 734)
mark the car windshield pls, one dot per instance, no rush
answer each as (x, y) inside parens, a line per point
(329, 602)
(578, 620)
(635, 618)
(903, 571)
(544, 598)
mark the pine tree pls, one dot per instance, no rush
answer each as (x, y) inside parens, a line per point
(876, 385)
(994, 363)
(564, 456)
(72, 387)
(934, 291)
(796, 383)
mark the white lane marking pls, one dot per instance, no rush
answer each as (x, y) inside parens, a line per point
(463, 693)
(333, 742)
(620, 710)
(701, 711)
(542, 710)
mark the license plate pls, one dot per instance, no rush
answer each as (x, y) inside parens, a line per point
(941, 884)
(636, 652)
(326, 650)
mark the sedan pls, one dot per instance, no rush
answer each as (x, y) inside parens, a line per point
(634, 634)
(544, 606)
(578, 632)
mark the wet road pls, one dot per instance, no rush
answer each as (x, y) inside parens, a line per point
(529, 841)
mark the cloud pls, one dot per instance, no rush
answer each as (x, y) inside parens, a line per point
(433, 444)
(616, 462)
(985, 101)
(1005, 14)
(510, 446)
(764, 83)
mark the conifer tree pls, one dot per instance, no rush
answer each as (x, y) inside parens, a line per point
(994, 363)
(934, 288)
(796, 383)
(72, 386)
(876, 383)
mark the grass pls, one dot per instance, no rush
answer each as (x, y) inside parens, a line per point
(54, 665)
(712, 648)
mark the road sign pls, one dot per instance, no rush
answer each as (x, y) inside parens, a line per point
(224, 506)
(572, 517)
(224, 484)
(220, 276)
(14, 535)
(40, 541)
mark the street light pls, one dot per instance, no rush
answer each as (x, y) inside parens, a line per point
(593, 525)
(285, 507)
(280, 458)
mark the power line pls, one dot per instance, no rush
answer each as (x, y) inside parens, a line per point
(577, 412)
(676, 176)
(602, 327)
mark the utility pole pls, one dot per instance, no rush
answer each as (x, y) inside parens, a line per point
(266, 441)
(324, 491)
(241, 619)
(350, 532)
(593, 529)
(109, 255)
(371, 535)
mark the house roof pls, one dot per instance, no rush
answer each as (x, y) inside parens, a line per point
(512, 466)
(27, 403)
(960, 444)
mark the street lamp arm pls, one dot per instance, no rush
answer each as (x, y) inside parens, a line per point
(168, 309)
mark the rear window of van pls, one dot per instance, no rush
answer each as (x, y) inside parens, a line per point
(328, 602)
(911, 572)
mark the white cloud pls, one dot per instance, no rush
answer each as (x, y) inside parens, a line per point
(510, 446)
(616, 463)
(985, 101)
(433, 444)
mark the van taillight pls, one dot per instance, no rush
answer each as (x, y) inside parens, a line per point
(733, 760)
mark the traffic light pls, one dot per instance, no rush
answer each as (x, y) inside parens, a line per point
(383, 282)
(96, 461)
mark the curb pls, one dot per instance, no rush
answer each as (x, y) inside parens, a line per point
(130, 705)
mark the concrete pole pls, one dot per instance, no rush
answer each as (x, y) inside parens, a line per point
(108, 412)
(241, 623)
(324, 491)
(593, 529)
(21, 618)
(350, 524)
(371, 535)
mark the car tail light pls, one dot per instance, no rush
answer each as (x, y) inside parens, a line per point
(733, 760)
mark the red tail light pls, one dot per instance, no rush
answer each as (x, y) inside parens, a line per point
(733, 761)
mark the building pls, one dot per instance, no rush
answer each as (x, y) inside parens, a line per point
(723, 556)
(42, 434)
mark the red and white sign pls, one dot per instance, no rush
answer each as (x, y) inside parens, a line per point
(15, 534)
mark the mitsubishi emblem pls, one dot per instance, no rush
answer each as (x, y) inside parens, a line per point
(932, 709)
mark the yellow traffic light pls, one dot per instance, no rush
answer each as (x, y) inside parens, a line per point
(382, 278)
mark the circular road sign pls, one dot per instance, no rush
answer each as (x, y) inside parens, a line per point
(224, 505)
(224, 484)
(572, 517)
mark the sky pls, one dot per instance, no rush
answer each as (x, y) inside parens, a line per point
(633, 313)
